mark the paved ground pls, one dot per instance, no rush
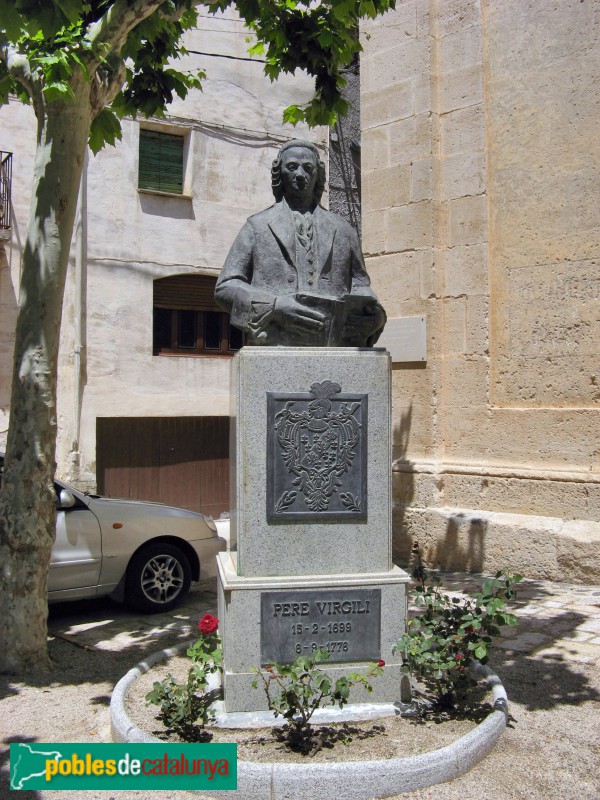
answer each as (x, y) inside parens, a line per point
(557, 621)
(550, 666)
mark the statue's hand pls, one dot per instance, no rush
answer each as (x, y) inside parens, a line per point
(367, 323)
(292, 315)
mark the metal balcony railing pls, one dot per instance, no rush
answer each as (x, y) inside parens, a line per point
(5, 190)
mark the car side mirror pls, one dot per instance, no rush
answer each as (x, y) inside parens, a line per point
(66, 500)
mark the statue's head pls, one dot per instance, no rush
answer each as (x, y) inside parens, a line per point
(276, 170)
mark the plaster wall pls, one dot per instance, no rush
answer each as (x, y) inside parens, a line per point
(233, 129)
(480, 193)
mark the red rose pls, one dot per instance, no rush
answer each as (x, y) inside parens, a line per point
(459, 656)
(381, 663)
(208, 624)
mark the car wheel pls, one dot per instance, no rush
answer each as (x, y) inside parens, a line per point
(158, 578)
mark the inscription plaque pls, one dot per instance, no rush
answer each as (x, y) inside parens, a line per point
(345, 622)
(317, 455)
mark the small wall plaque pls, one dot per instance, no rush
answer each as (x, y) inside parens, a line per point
(405, 338)
(345, 622)
(317, 455)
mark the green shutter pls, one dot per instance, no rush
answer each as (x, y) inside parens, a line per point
(161, 162)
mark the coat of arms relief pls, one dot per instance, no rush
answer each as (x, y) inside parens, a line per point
(317, 455)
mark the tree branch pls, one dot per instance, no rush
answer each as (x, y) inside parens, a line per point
(18, 66)
(110, 32)
(107, 83)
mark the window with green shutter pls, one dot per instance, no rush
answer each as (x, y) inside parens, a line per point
(161, 162)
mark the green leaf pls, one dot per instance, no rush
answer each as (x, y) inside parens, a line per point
(367, 9)
(7, 85)
(105, 129)
(325, 38)
(343, 10)
(70, 8)
(257, 49)
(48, 61)
(83, 67)
(57, 90)
(480, 651)
(293, 115)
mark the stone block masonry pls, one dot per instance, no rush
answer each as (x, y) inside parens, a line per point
(504, 226)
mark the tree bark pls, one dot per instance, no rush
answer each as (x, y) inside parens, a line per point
(27, 497)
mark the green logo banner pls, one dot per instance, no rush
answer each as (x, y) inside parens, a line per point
(43, 765)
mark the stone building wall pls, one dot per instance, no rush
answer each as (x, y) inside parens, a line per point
(481, 190)
(345, 156)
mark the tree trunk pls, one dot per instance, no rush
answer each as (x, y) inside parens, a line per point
(27, 497)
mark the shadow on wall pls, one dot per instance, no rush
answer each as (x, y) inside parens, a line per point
(175, 207)
(463, 546)
(403, 489)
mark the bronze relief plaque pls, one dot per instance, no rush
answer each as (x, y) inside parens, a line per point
(317, 455)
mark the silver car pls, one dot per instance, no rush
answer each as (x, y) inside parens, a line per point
(146, 553)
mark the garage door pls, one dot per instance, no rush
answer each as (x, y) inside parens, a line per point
(182, 461)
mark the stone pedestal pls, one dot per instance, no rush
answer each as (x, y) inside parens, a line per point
(311, 515)
(318, 600)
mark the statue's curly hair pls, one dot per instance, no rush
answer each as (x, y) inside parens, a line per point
(276, 183)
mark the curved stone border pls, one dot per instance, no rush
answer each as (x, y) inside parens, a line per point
(352, 780)
(121, 727)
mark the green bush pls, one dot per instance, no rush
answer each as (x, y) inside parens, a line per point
(443, 641)
(295, 691)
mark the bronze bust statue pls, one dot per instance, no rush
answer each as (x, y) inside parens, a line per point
(295, 274)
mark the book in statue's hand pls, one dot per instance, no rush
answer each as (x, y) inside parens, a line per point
(346, 318)
(360, 320)
(358, 304)
(333, 309)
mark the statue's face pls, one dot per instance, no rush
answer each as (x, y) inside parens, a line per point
(298, 173)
